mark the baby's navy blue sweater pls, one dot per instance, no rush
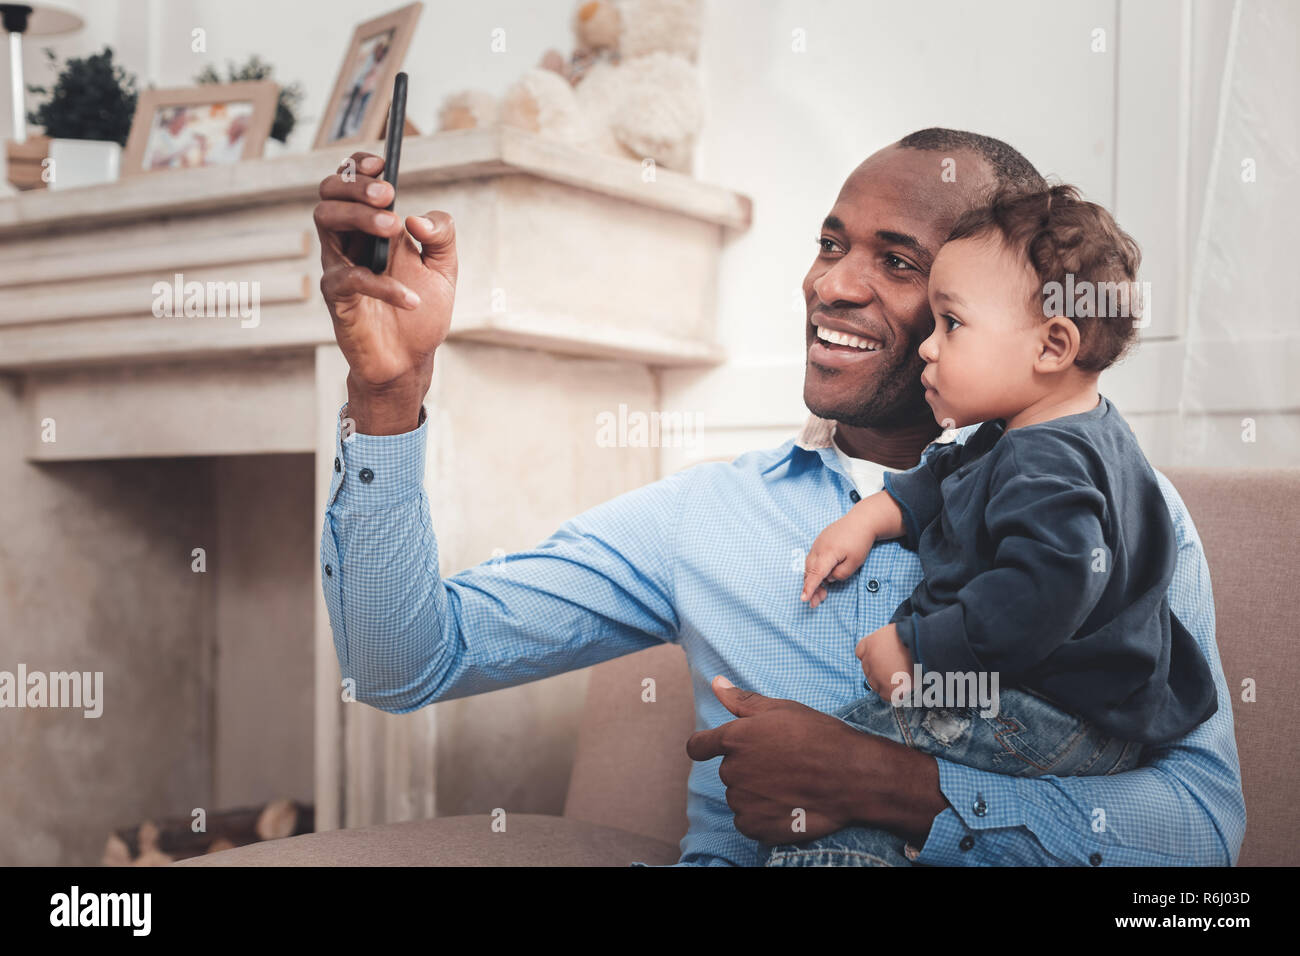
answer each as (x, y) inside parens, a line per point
(1047, 552)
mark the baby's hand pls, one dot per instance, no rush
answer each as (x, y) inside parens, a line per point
(838, 551)
(883, 656)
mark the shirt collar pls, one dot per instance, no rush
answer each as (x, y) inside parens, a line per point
(820, 433)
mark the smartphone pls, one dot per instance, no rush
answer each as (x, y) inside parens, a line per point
(376, 256)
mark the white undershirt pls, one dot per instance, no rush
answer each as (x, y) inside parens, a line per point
(868, 476)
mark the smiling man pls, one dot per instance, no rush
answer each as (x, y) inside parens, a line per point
(702, 558)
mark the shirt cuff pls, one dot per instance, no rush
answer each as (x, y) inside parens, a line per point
(955, 836)
(373, 472)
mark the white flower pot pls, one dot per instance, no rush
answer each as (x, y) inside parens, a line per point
(84, 162)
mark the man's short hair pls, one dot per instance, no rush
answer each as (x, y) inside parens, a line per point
(1010, 168)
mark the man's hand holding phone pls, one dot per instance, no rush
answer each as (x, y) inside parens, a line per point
(389, 325)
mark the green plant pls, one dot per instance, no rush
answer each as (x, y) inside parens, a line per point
(93, 98)
(258, 69)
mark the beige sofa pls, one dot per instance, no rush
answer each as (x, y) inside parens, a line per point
(627, 793)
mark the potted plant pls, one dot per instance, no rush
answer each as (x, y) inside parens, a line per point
(286, 108)
(87, 117)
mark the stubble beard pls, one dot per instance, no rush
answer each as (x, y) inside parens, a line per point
(892, 399)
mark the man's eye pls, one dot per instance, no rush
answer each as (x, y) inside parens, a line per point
(898, 263)
(827, 245)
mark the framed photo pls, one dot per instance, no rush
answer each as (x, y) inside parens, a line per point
(212, 124)
(358, 108)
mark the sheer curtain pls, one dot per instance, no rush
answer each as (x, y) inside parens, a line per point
(1240, 396)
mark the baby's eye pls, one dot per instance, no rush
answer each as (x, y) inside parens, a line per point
(953, 322)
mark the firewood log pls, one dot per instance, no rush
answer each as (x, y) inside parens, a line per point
(116, 852)
(278, 820)
(175, 836)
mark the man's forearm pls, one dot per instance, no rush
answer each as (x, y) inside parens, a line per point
(399, 625)
(378, 553)
(901, 791)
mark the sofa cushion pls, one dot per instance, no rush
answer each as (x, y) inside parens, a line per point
(528, 840)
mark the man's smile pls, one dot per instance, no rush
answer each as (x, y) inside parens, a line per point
(835, 346)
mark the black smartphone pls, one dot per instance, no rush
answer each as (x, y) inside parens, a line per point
(377, 253)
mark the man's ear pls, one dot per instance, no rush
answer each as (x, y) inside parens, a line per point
(1058, 345)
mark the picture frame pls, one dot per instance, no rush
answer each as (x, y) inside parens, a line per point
(357, 109)
(210, 124)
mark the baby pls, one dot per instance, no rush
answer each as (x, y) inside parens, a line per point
(1045, 541)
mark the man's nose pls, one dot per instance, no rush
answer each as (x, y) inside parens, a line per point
(844, 282)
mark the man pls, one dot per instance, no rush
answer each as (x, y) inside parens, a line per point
(704, 558)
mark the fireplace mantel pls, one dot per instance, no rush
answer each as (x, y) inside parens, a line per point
(581, 277)
(77, 266)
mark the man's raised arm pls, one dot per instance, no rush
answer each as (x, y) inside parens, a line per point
(1182, 808)
(599, 587)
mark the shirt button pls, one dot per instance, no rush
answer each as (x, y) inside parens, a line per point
(367, 476)
(854, 497)
(1095, 859)
(337, 466)
(966, 843)
(329, 572)
(980, 807)
(873, 585)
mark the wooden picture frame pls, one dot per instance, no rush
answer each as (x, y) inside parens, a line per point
(357, 111)
(155, 143)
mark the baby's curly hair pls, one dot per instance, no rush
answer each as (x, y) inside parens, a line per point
(1059, 233)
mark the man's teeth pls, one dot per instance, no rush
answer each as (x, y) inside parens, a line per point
(843, 338)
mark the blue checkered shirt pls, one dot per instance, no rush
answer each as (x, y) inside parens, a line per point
(711, 558)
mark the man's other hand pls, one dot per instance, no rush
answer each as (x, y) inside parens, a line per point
(785, 764)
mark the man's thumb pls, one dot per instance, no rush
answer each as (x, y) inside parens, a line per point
(436, 233)
(742, 703)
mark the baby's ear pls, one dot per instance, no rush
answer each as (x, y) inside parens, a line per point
(1059, 344)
